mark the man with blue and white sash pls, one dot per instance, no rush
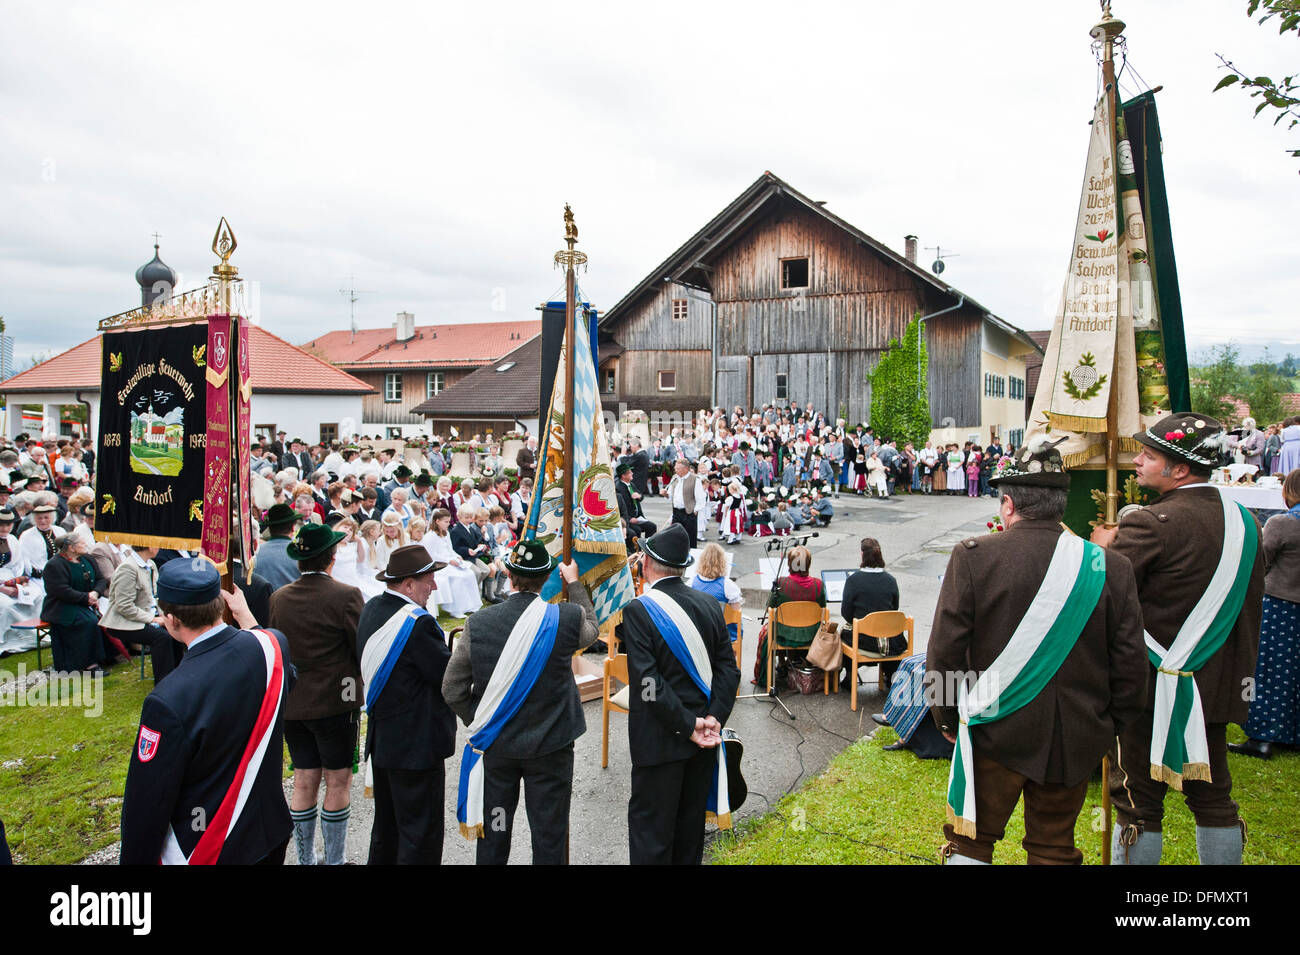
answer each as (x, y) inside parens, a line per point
(409, 728)
(1200, 579)
(683, 678)
(1049, 627)
(511, 682)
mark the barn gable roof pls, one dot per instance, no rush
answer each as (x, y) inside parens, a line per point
(686, 265)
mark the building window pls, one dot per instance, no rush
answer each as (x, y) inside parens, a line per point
(393, 434)
(1018, 388)
(794, 273)
(434, 383)
(1015, 438)
(667, 381)
(329, 432)
(680, 309)
(607, 381)
(782, 387)
(393, 386)
(995, 386)
(265, 433)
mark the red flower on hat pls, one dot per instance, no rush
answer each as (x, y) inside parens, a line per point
(1174, 435)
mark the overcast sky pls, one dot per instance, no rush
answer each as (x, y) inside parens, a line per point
(428, 149)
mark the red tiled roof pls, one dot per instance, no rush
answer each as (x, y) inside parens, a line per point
(1291, 402)
(277, 366)
(1034, 361)
(434, 346)
(512, 393)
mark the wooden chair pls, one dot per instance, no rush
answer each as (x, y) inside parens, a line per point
(615, 669)
(732, 615)
(880, 625)
(795, 613)
(452, 634)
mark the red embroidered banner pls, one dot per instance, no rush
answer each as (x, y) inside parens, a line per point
(244, 438)
(216, 474)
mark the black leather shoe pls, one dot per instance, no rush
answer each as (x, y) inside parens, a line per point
(1259, 748)
(879, 719)
(893, 746)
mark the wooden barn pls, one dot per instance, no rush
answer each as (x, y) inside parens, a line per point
(778, 300)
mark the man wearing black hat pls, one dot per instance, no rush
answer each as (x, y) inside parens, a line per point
(272, 561)
(629, 506)
(409, 728)
(213, 724)
(526, 738)
(674, 725)
(1035, 593)
(297, 458)
(319, 616)
(401, 479)
(1200, 579)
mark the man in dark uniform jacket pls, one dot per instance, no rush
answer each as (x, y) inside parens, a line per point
(536, 745)
(672, 727)
(1175, 545)
(411, 730)
(629, 505)
(1048, 748)
(195, 727)
(640, 462)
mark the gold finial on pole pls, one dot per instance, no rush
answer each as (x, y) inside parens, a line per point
(571, 257)
(1106, 31)
(225, 274)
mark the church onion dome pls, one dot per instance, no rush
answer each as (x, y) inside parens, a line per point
(155, 271)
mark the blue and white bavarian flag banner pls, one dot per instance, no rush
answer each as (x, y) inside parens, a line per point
(598, 547)
(525, 654)
(684, 640)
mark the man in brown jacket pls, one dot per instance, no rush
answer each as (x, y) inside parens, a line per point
(1176, 545)
(319, 616)
(1005, 594)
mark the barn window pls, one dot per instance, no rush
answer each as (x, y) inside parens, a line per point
(393, 386)
(434, 383)
(782, 386)
(679, 309)
(794, 273)
(667, 381)
(607, 381)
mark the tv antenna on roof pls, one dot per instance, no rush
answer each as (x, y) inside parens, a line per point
(353, 295)
(939, 255)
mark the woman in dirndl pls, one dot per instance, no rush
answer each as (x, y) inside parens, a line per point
(72, 591)
(956, 471)
(1275, 711)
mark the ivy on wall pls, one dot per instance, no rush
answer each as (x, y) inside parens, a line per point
(900, 400)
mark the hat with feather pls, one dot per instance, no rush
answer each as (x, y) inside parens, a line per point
(1038, 464)
(1188, 438)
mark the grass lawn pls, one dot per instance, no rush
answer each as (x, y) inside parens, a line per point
(873, 807)
(62, 772)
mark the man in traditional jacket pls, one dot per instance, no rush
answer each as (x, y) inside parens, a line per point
(1200, 578)
(689, 499)
(683, 675)
(319, 616)
(1051, 624)
(629, 505)
(522, 718)
(410, 731)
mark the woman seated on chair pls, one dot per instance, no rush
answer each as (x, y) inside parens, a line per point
(133, 615)
(796, 586)
(712, 579)
(72, 590)
(870, 590)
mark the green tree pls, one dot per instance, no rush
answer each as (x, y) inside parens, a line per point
(900, 400)
(1281, 97)
(1217, 381)
(1264, 390)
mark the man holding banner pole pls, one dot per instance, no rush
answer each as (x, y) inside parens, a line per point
(683, 677)
(1051, 625)
(1200, 578)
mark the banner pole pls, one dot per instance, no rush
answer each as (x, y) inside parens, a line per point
(569, 258)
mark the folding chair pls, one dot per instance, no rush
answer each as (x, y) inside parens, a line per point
(732, 615)
(615, 669)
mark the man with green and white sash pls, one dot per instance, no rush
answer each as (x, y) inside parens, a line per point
(1034, 664)
(1200, 578)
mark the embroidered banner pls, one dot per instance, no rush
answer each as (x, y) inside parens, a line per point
(152, 436)
(216, 487)
(244, 439)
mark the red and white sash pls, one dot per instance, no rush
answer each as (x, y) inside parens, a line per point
(219, 827)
